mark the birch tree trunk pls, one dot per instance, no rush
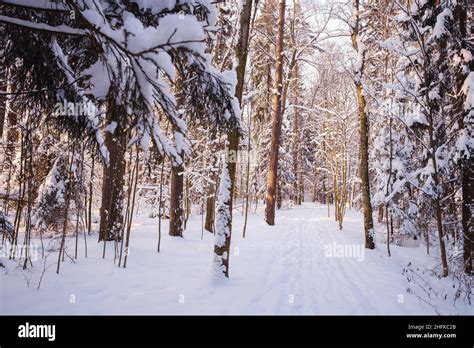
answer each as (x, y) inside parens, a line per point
(364, 134)
(224, 228)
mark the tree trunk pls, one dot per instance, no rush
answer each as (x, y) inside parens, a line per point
(12, 135)
(276, 121)
(222, 234)
(188, 202)
(241, 55)
(11, 143)
(433, 149)
(467, 161)
(160, 204)
(296, 156)
(279, 197)
(91, 196)
(133, 181)
(177, 178)
(247, 181)
(364, 138)
(210, 203)
(364, 171)
(467, 179)
(3, 99)
(176, 201)
(380, 215)
(233, 136)
(66, 210)
(211, 198)
(111, 211)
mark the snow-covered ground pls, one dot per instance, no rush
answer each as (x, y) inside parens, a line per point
(291, 268)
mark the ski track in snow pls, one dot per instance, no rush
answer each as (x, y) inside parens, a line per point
(279, 269)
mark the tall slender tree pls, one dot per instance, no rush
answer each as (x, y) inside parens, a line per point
(465, 107)
(226, 190)
(112, 208)
(177, 173)
(359, 46)
(276, 120)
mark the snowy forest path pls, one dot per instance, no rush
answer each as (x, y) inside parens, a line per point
(315, 268)
(302, 265)
(318, 282)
